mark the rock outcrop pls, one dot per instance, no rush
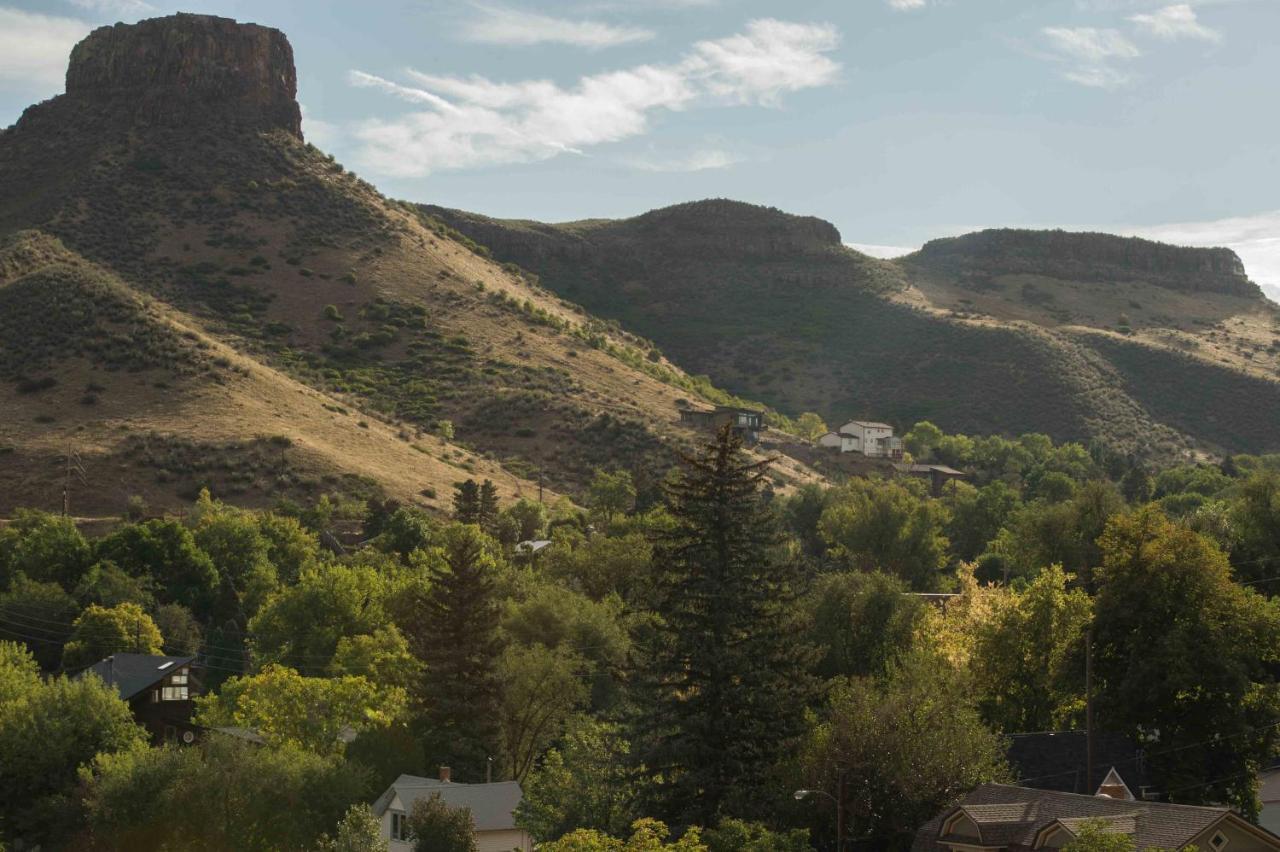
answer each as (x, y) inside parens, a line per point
(185, 70)
(1090, 257)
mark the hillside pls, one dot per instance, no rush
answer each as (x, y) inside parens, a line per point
(1082, 336)
(169, 199)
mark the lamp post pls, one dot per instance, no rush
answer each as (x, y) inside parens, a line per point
(801, 795)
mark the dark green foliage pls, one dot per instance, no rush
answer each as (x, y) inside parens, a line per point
(167, 551)
(437, 827)
(229, 795)
(44, 547)
(1186, 658)
(862, 623)
(454, 632)
(723, 679)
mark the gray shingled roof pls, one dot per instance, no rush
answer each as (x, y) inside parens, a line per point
(492, 805)
(1012, 816)
(130, 674)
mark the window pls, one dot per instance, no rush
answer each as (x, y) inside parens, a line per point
(173, 693)
(1219, 841)
(399, 829)
(179, 678)
(155, 695)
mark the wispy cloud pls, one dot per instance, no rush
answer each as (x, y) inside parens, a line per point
(906, 5)
(1091, 54)
(1175, 22)
(34, 49)
(121, 7)
(473, 121)
(504, 25)
(694, 161)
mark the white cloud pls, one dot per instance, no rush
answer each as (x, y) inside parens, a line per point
(695, 161)
(323, 134)
(34, 49)
(123, 7)
(881, 251)
(503, 25)
(1175, 22)
(905, 5)
(473, 121)
(1091, 52)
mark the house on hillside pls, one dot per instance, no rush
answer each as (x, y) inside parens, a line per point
(493, 806)
(1004, 818)
(747, 423)
(159, 691)
(872, 439)
(1058, 760)
(937, 474)
(830, 441)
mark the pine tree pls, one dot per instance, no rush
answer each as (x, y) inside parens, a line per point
(456, 636)
(488, 508)
(723, 692)
(466, 502)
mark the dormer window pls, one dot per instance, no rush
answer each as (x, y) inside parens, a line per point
(399, 826)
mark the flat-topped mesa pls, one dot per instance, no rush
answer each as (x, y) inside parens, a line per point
(1091, 257)
(187, 69)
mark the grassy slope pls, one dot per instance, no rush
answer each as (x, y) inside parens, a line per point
(156, 408)
(814, 325)
(252, 236)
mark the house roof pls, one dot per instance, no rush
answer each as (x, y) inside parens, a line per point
(130, 674)
(1015, 816)
(867, 424)
(1056, 760)
(492, 805)
(927, 468)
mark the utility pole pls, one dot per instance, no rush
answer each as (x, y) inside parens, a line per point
(73, 466)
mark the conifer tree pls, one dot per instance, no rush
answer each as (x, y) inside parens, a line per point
(488, 509)
(722, 695)
(456, 637)
(466, 502)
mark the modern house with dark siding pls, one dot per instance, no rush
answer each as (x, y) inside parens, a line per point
(159, 690)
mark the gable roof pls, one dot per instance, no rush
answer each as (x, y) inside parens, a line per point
(130, 674)
(1015, 816)
(1056, 760)
(868, 424)
(492, 805)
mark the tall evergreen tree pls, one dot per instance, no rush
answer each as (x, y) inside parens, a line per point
(466, 502)
(456, 636)
(722, 694)
(488, 509)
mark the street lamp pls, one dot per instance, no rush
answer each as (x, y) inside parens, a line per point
(801, 795)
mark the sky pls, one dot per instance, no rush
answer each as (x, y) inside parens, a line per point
(897, 120)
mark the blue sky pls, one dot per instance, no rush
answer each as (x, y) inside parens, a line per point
(898, 120)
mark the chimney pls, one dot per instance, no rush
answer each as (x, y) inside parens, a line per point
(445, 774)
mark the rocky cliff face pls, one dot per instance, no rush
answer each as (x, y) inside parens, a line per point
(1090, 257)
(186, 69)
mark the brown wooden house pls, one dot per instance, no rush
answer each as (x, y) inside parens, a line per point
(747, 423)
(159, 690)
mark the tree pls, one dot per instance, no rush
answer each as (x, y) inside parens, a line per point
(724, 675)
(1027, 663)
(230, 794)
(382, 656)
(735, 835)
(886, 734)
(455, 634)
(1256, 521)
(647, 835)
(541, 688)
(862, 623)
(301, 625)
(873, 525)
(601, 565)
(585, 783)
(810, 426)
(312, 713)
(921, 439)
(46, 732)
(181, 631)
(41, 612)
(437, 827)
(359, 831)
(611, 494)
(240, 552)
(801, 512)
(404, 531)
(106, 584)
(1093, 836)
(167, 552)
(530, 518)
(977, 514)
(1184, 659)
(476, 503)
(19, 673)
(44, 547)
(100, 632)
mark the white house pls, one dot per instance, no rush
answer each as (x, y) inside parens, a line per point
(492, 807)
(830, 440)
(871, 439)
